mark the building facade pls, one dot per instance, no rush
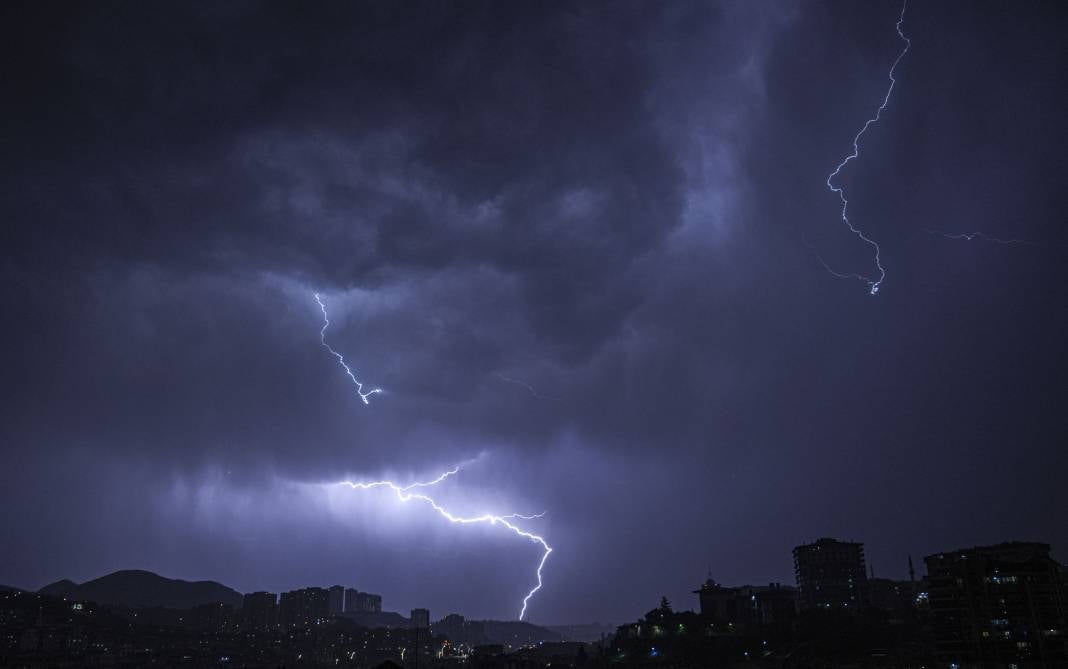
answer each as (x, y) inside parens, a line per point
(365, 602)
(304, 608)
(830, 575)
(895, 598)
(749, 606)
(336, 600)
(458, 630)
(350, 598)
(420, 619)
(259, 611)
(998, 606)
(362, 602)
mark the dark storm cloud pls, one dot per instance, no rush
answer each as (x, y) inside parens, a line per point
(493, 107)
(379, 147)
(569, 238)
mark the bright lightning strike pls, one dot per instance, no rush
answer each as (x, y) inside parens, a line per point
(405, 494)
(340, 358)
(873, 284)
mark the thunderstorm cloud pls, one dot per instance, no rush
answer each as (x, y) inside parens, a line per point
(572, 242)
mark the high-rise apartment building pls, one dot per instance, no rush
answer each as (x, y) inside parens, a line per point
(304, 608)
(259, 611)
(830, 575)
(420, 619)
(998, 606)
(336, 600)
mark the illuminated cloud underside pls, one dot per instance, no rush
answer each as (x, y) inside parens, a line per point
(404, 494)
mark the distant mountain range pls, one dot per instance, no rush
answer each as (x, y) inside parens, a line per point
(135, 589)
(138, 589)
(517, 633)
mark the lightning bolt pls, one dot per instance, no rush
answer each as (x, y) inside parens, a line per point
(873, 284)
(406, 494)
(340, 358)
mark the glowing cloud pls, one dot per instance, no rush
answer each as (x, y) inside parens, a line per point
(406, 494)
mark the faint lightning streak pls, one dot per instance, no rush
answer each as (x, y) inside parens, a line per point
(531, 389)
(840, 275)
(970, 236)
(873, 284)
(530, 517)
(403, 494)
(341, 358)
(427, 484)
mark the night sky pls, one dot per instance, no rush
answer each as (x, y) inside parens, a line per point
(576, 244)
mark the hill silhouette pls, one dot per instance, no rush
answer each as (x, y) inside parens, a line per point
(387, 619)
(135, 589)
(517, 633)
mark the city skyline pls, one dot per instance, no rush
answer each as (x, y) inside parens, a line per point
(846, 559)
(1003, 605)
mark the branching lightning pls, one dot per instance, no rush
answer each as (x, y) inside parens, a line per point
(873, 284)
(405, 494)
(840, 275)
(530, 517)
(340, 358)
(408, 492)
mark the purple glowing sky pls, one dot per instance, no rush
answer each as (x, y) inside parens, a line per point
(572, 243)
